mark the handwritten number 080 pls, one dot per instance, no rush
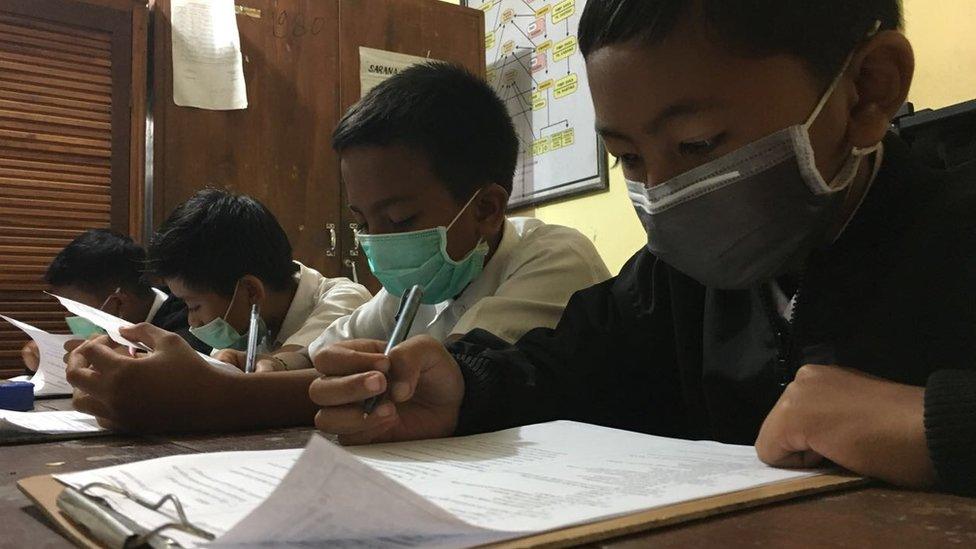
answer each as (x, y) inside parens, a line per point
(296, 25)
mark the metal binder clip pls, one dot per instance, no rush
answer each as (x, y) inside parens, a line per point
(116, 530)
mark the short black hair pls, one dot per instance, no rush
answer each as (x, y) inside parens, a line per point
(445, 112)
(820, 32)
(217, 237)
(99, 260)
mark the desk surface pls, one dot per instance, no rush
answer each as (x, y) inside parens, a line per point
(871, 517)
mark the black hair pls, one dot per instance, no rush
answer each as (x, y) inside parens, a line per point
(99, 260)
(820, 32)
(217, 237)
(445, 112)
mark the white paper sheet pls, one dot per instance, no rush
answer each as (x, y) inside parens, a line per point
(331, 499)
(512, 483)
(208, 71)
(49, 378)
(49, 423)
(111, 324)
(543, 477)
(216, 490)
(444, 493)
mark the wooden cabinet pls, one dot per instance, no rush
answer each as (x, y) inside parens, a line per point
(301, 66)
(67, 155)
(277, 149)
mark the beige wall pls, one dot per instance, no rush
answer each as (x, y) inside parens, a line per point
(944, 35)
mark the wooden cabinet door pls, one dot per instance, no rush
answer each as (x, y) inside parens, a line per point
(424, 28)
(278, 149)
(65, 125)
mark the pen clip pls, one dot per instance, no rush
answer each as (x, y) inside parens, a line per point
(403, 303)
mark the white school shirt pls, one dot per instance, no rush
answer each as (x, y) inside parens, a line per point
(526, 284)
(319, 301)
(159, 297)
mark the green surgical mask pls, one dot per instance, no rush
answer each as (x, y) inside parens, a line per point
(401, 260)
(219, 334)
(82, 327)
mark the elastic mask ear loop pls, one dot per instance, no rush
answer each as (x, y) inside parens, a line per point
(833, 85)
(114, 293)
(237, 286)
(458, 216)
(829, 93)
(848, 172)
(110, 296)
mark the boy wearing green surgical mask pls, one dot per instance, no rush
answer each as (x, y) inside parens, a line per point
(427, 160)
(104, 269)
(223, 252)
(808, 286)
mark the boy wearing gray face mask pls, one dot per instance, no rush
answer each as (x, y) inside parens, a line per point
(807, 286)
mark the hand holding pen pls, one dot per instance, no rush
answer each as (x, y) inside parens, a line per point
(409, 305)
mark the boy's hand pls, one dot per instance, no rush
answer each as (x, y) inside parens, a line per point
(423, 401)
(868, 425)
(233, 357)
(262, 363)
(31, 355)
(171, 388)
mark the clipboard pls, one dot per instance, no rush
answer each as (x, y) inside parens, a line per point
(88, 522)
(44, 492)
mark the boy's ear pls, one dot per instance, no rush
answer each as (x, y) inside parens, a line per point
(253, 289)
(882, 71)
(117, 303)
(490, 206)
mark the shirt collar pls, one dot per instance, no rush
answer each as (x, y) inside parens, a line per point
(307, 281)
(159, 297)
(492, 274)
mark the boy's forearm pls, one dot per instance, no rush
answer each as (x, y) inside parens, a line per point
(265, 399)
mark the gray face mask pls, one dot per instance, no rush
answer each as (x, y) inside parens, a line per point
(750, 215)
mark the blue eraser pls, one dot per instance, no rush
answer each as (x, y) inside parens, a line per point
(17, 396)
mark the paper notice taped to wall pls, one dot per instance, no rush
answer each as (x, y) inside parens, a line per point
(208, 71)
(375, 66)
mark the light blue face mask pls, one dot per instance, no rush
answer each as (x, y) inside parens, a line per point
(82, 327)
(219, 334)
(402, 260)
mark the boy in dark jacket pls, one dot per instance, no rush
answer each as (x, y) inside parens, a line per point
(807, 286)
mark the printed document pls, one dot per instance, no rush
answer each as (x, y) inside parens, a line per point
(437, 493)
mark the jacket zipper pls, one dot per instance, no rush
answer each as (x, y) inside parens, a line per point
(785, 331)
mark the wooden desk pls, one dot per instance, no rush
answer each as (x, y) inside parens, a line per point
(871, 517)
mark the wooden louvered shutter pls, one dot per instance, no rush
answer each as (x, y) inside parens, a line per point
(65, 82)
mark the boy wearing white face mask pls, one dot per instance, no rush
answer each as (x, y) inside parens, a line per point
(427, 161)
(799, 289)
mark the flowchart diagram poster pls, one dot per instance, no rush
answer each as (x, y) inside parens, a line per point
(535, 65)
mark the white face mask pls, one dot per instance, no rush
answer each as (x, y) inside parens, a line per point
(751, 214)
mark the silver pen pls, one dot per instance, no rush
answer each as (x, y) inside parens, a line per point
(409, 305)
(252, 340)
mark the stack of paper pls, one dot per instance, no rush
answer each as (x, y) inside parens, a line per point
(47, 423)
(49, 379)
(440, 493)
